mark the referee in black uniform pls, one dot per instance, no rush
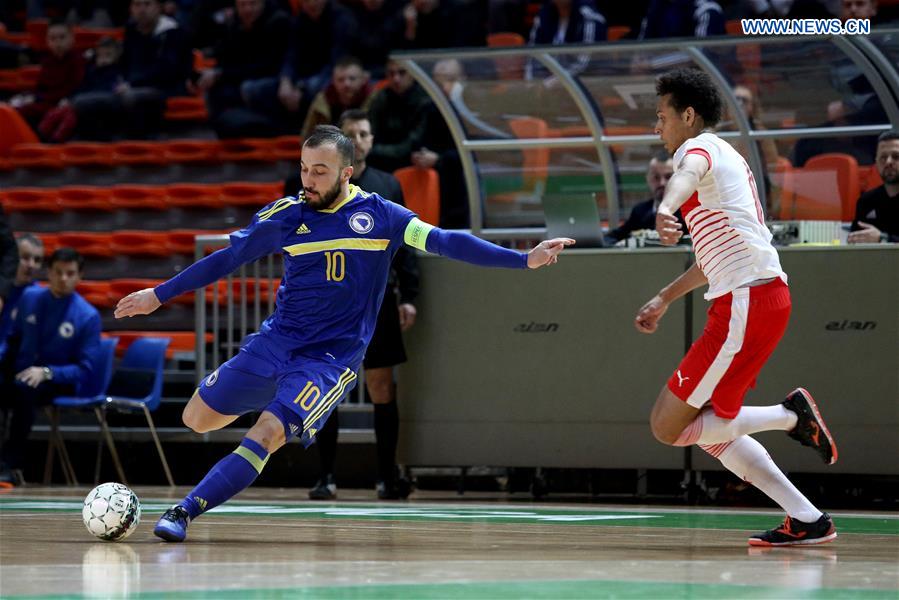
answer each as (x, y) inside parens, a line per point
(386, 349)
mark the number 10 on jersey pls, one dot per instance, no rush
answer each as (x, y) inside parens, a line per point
(335, 266)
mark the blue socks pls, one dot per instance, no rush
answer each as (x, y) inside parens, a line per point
(227, 478)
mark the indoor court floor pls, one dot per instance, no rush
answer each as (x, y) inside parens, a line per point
(274, 543)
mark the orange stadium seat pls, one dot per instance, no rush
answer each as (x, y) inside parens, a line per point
(138, 153)
(85, 198)
(536, 160)
(183, 241)
(182, 341)
(40, 156)
(97, 293)
(84, 154)
(15, 130)
(201, 62)
(421, 190)
(51, 242)
(28, 76)
(188, 151)
(139, 197)
(119, 288)
(251, 194)
(246, 149)
(194, 195)
(868, 178)
(186, 108)
(87, 38)
(617, 32)
(846, 169)
(140, 243)
(733, 27)
(88, 244)
(504, 39)
(30, 200)
(286, 147)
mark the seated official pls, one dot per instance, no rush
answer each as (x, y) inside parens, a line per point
(52, 349)
(877, 211)
(643, 215)
(31, 257)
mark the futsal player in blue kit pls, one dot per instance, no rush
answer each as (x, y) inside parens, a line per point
(338, 243)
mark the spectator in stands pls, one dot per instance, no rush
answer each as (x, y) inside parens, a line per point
(682, 18)
(86, 13)
(320, 35)
(208, 22)
(103, 75)
(31, 257)
(155, 64)
(379, 26)
(562, 22)
(792, 9)
(399, 120)
(643, 215)
(349, 89)
(877, 211)
(443, 24)
(9, 258)
(506, 16)
(867, 9)
(439, 150)
(753, 111)
(248, 56)
(60, 75)
(52, 350)
(386, 349)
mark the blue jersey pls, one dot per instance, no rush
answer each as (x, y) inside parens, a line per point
(60, 333)
(336, 263)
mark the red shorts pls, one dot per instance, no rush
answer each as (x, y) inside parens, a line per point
(742, 331)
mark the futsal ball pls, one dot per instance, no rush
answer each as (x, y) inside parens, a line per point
(111, 512)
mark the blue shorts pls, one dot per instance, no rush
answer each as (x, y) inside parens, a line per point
(300, 391)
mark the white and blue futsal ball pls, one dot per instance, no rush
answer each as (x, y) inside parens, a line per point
(111, 511)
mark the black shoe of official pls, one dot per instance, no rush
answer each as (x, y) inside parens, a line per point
(172, 525)
(810, 429)
(325, 489)
(396, 489)
(797, 533)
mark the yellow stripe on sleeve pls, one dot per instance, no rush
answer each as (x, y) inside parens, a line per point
(338, 244)
(277, 207)
(416, 234)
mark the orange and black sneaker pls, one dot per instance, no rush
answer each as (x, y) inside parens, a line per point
(810, 429)
(796, 533)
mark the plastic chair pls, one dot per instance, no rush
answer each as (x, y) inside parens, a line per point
(39, 200)
(138, 197)
(145, 356)
(96, 292)
(617, 32)
(85, 198)
(39, 156)
(504, 39)
(86, 154)
(140, 243)
(194, 195)
(846, 169)
(243, 150)
(421, 190)
(535, 165)
(138, 153)
(92, 395)
(89, 244)
(15, 130)
(251, 194)
(186, 108)
(286, 147)
(190, 151)
(868, 178)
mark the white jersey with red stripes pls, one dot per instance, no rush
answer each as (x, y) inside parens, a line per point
(725, 219)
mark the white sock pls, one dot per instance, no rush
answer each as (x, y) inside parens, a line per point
(748, 460)
(750, 419)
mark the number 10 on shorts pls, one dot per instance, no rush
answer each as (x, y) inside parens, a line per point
(308, 397)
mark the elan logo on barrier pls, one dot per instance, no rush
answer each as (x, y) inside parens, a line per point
(850, 325)
(533, 327)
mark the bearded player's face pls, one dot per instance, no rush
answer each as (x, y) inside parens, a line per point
(322, 175)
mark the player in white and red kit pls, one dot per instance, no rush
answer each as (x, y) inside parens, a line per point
(702, 403)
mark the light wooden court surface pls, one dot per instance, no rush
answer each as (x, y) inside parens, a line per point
(271, 543)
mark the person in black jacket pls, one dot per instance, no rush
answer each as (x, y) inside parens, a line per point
(386, 349)
(156, 62)
(248, 55)
(562, 22)
(643, 215)
(877, 211)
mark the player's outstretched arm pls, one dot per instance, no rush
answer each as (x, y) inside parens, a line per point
(463, 246)
(649, 315)
(200, 274)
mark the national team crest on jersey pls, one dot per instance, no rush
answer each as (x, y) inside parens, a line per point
(362, 222)
(66, 330)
